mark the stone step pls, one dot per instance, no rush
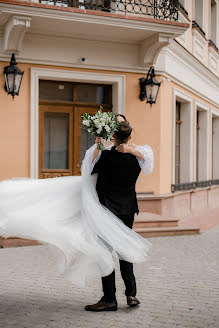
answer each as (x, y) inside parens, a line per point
(166, 231)
(151, 220)
(17, 242)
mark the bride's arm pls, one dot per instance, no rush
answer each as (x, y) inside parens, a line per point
(97, 152)
(131, 149)
(144, 155)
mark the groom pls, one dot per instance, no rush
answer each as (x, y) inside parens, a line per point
(117, 175)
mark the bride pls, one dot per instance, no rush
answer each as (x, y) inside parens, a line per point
(66, 214)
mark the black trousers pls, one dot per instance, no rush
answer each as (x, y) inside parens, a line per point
(126, 269)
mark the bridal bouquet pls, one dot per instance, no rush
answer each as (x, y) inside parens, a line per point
(100, 125)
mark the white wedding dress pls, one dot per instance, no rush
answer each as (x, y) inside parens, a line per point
(65, 212)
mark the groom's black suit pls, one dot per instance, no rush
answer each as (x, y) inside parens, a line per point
(117, 175)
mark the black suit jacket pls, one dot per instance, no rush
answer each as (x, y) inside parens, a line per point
(117, 175)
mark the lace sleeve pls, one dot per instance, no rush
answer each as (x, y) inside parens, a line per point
(89, 157)
(146, 164)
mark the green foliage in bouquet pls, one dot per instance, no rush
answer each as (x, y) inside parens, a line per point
(100, 125)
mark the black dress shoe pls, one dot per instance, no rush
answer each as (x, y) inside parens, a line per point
(102, 306)
(132, 301)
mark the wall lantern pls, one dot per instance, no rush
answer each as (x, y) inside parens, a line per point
(13, 77)
(149, 87)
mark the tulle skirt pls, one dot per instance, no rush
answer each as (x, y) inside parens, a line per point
(65, 213)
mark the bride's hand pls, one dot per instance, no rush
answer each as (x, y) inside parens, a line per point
(105, 143)
(131, 149)
(132, 145)
(98, 139)
(123, 148)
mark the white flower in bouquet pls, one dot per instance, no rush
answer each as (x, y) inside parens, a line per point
(107, 128)
(86, 122)
(100, 125)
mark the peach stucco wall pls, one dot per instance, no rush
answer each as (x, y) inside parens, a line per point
(152, 125)
(146, 123)
(15, 127)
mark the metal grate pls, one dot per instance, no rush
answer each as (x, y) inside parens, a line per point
(158, 9)
(193, 185)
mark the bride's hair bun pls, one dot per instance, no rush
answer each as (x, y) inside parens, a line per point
(123, 116)
(123, 133)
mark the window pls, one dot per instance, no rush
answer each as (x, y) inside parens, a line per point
(75, 92)
(199, 12)
(201, 144)
(56, 136)
(182, 142)
(214, 21)
(177, 144)
(183, 3)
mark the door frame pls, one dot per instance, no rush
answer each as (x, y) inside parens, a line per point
(118, 99)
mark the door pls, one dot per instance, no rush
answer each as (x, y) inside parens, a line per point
(63, 140)
(55, 141)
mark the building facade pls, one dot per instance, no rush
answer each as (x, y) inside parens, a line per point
(85, 55)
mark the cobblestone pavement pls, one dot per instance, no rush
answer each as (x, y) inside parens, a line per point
(178, 287)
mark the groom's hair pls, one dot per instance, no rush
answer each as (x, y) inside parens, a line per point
(123, 133)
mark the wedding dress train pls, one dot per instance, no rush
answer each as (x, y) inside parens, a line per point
(65, 212)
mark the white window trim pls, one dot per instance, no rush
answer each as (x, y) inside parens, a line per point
(177, 94)
(199, 104)
(117, 81)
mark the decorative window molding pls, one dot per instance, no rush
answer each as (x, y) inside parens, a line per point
(118, 99)
(213, 59)
(186, 105)
(199, 44)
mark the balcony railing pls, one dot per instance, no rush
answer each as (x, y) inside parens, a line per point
(183, 9)
(195, 24)
(211, 43)
(158, 9)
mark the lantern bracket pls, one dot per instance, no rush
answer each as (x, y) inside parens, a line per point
(151, 47)
(14, 33)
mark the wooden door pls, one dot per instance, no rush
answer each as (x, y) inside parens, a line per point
(82, 139)
(55, 140)
(63, 140)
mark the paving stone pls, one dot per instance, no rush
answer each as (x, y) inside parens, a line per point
(178, 287)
